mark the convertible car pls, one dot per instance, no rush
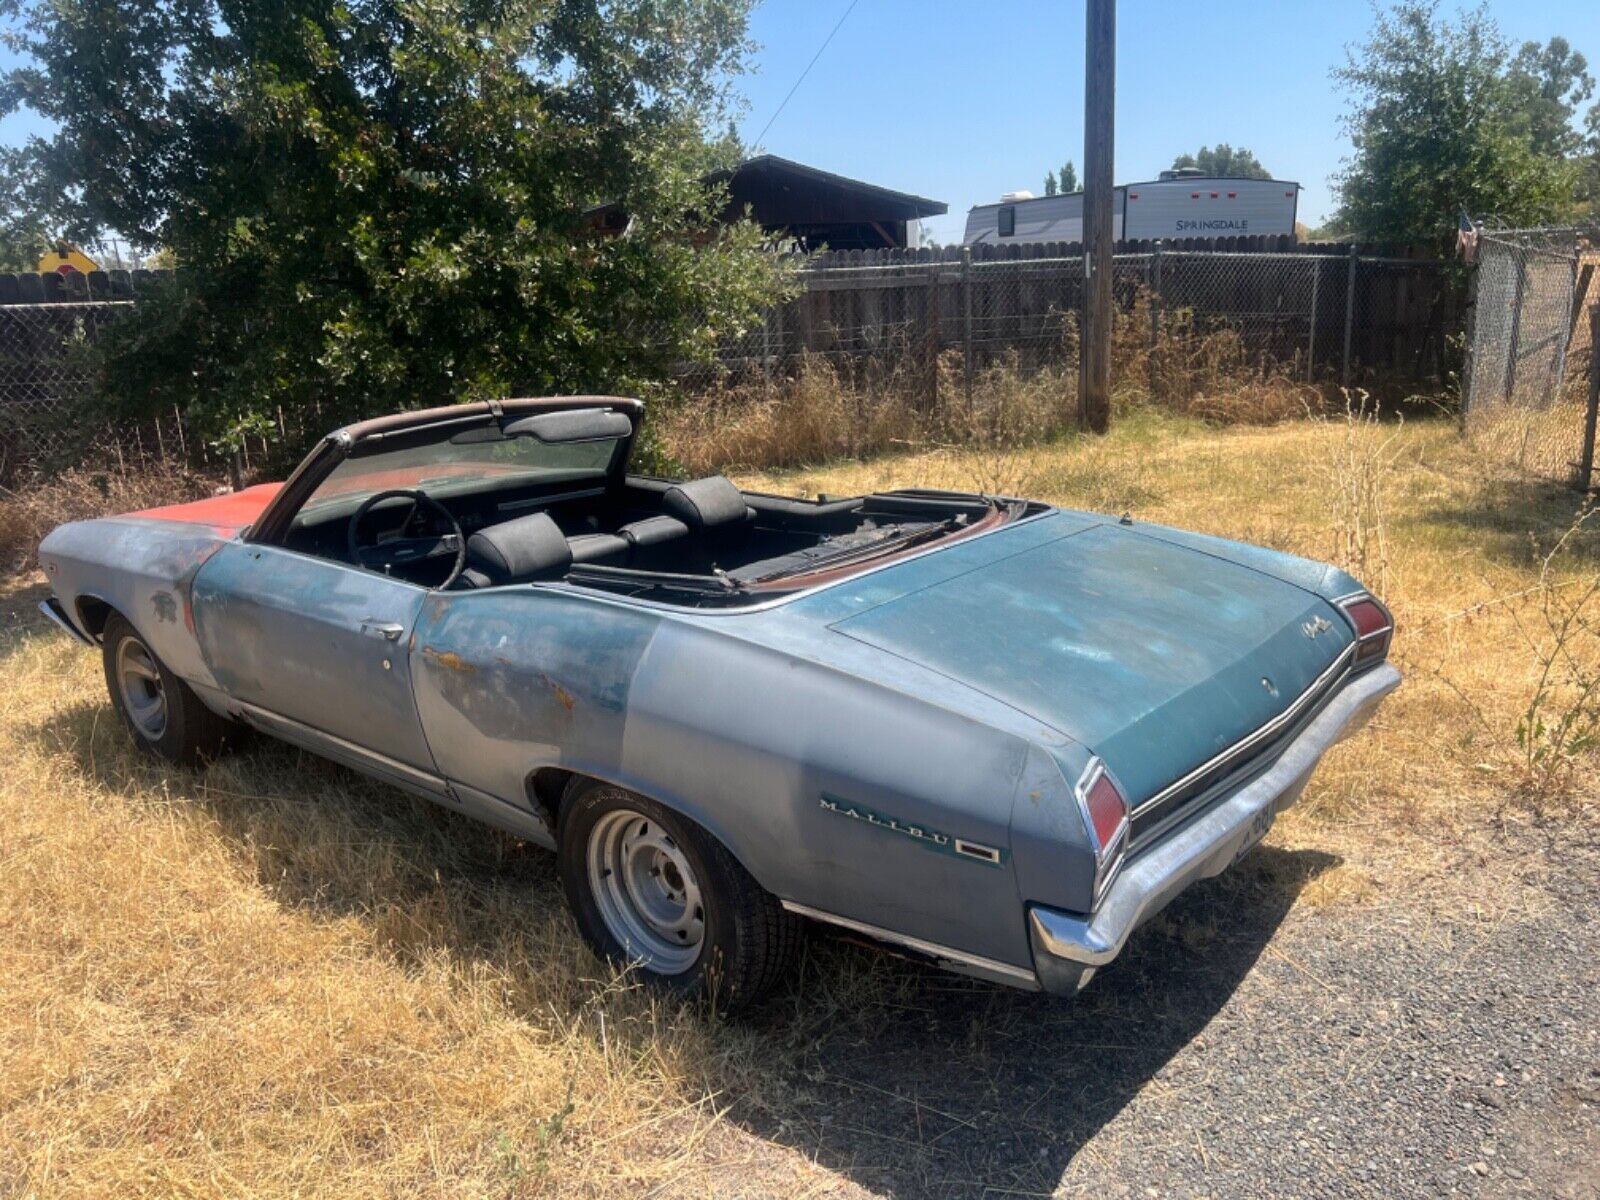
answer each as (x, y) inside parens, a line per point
(978, 730)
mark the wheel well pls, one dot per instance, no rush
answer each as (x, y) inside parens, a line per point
(93, 614)
(546, 786)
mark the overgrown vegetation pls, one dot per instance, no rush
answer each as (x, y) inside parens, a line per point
(383, 204)
(28, 514)
(823, 411)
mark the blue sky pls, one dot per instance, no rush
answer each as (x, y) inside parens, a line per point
(961, 102)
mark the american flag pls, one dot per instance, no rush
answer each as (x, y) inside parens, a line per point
(1467, 238)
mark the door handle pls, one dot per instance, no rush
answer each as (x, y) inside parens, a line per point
(389, 631)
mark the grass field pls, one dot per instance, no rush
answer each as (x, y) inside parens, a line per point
(275, 978)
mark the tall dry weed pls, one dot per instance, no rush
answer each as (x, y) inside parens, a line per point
(1558, 730)
(1358, 473)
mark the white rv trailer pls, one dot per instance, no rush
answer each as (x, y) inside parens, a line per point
(1178, 205)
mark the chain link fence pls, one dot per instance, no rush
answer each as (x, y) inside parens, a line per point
(1526, 395)
(1346, 318)
(920, 325)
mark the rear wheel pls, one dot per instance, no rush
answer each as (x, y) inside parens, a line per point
(162, 712)
(652, 889)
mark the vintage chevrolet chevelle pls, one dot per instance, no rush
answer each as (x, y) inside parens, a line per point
(982, 731)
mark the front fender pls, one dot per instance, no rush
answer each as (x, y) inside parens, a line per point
(145, 570)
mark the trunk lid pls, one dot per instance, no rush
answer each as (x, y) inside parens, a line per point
(1155, 656)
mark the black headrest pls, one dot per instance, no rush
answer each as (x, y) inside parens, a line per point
(525, 548)
(704, 503)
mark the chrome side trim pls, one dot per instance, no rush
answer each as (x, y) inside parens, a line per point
(52, 609)
(356, 757)
(1303, 701)
(958, 959)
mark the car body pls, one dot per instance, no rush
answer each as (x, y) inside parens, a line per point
(990, 733)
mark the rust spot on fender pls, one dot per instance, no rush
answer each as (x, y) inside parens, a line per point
(567, 699)
(449, 660)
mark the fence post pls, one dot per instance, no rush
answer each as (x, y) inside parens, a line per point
(1586, 463)
(1311, 325)
(1513, 347)
(1349, 316)
(932, 315)
(766, 352)
(966, 318)
(1155, 313)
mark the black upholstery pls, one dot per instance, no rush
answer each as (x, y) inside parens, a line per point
(597, 547)
(530, 547)
(652, 531)
(707, 503)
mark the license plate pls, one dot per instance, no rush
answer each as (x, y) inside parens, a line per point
(1259, 825)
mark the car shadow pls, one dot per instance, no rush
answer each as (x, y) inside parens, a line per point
(920, 1083)
(903, 1078)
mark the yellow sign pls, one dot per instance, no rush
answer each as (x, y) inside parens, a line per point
(65, 259)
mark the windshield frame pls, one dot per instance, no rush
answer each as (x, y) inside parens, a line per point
(424, 426)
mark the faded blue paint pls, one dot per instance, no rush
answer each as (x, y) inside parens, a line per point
(284, 631)
(1154, 656)
(513, 679)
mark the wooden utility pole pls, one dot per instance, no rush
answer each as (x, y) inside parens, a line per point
(1099, 141)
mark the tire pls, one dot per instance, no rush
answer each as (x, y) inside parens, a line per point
(637, 875)
(162, 712)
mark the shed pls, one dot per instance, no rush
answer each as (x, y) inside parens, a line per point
(816, 208)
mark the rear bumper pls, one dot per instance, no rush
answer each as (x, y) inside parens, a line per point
(1068, 947)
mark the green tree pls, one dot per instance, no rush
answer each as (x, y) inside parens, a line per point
(381, 203)
(1549, 84)
(1068, 179)
(25, 231)
(1050, 187)
(1223, 161)
(1441, 120)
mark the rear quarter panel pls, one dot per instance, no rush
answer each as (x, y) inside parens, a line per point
(746, 739)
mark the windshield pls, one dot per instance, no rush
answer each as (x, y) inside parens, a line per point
(460, 465)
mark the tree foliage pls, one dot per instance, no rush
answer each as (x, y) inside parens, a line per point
(1223, 161)
(1063, 184)
(380, 203)
(1444, 117)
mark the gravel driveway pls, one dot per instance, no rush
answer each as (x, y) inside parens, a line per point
(1440, 1036)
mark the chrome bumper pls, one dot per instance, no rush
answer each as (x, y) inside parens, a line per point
(1067, 948)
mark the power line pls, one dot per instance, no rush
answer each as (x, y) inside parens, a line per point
(848, 10)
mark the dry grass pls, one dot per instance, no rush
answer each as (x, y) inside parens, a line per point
(29, 513)
(821, 413)
(277, 979)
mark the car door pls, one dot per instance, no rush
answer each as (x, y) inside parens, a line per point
(317, 652)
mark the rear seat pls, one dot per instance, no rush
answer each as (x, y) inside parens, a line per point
(533, 547)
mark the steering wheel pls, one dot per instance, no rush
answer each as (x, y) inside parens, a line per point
(407, 550)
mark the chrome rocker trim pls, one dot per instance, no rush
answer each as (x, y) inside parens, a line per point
(950, 959)
(58, 617)
(1067, 947)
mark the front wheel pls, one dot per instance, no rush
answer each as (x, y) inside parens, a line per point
(650, 888)
(162, 712)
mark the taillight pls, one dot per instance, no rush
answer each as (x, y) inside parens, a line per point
(1105, 814)
(1373, 625)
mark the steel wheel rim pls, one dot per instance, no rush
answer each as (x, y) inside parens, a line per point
(646, 891)
(139, 681)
